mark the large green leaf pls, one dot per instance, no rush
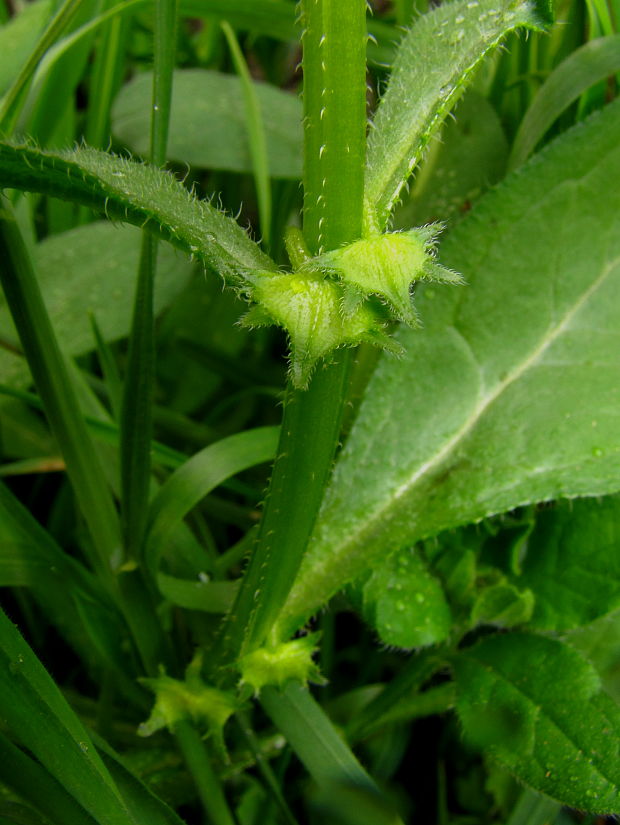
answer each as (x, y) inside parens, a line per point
(468, 158)
(208, 122)
(89, 270)
(572, 563)
(536, 706)
(511, 394)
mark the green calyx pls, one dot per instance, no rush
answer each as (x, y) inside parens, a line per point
(387, 266)
(282, 663)
(191, 700)
(331, 300)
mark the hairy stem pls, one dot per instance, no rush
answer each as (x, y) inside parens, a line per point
(334, 42)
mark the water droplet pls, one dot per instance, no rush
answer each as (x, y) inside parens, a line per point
(84, 747)
(419, 597)
(597, 452)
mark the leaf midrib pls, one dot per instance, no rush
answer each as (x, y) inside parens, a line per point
(368, 525)
(548, 716)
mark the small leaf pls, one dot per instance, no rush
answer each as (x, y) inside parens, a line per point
(405, 603)
(535, 705)
(139, 194)
(502, 605)
(572, 563)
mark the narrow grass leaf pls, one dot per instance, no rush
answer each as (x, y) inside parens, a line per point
(146, 807)
(138, 194)
(256, 134)
(204, 595)
(21, 773)
(198, 476)
(434, 63)
(595, 61)
(536, 706)
(69, 595)
(313, 737)
(39, 718)
(54, 383)
(511, 393)
(11, 103)
(18, 37)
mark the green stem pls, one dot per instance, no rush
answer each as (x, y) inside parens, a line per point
(137, 407)
(334, 42)
(199, 765)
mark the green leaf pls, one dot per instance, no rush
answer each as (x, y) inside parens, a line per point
(434, 63)
(600, 644)
(86, 271)
(502, 605)
(18, 37)
(21, 773)
(202, 594)
(208, 122)
(135, 193)
(511, 394)
(405, 603)
(572, 563)
(39, 718)
(198, 476)
(595, 61)
(535, 705)
(467, 158)
(145, 806)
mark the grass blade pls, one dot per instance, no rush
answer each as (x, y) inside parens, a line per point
(586, 66)
(14, 99)
(21, 773)
(38, 716)
(256, 135)
(57, 393)
(198, 476)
